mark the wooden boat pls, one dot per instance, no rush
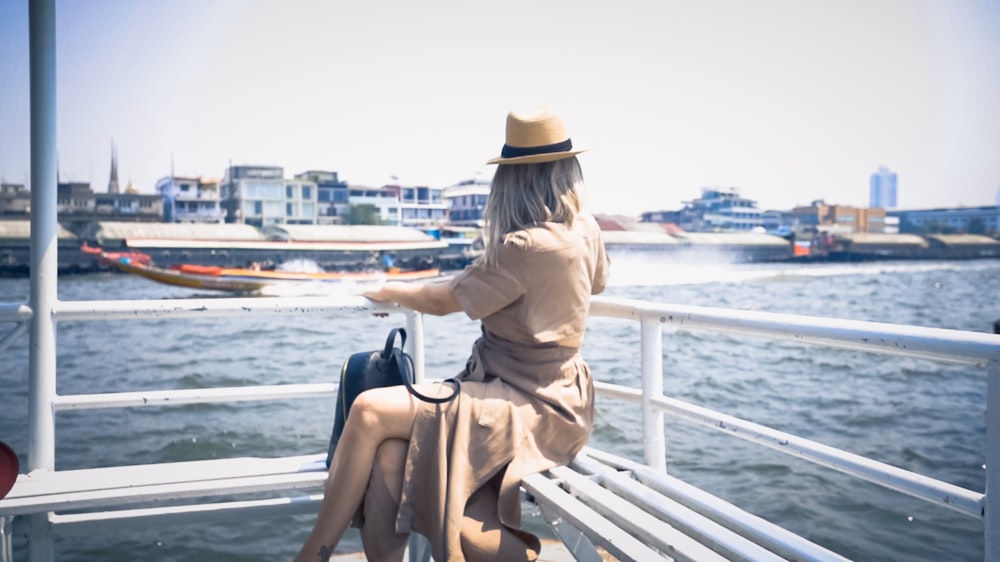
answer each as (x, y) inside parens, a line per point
(249, 280)
(106, 257)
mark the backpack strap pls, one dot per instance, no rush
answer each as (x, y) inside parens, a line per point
(405, 365)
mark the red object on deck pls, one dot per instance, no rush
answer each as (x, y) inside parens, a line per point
(9, 467)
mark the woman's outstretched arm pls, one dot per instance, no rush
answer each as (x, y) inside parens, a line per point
(428, 298)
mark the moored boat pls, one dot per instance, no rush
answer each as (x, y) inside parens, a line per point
(249, 280)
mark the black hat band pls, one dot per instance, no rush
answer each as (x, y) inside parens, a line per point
(516, 151)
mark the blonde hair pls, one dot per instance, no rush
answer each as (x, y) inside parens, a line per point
(524, 195)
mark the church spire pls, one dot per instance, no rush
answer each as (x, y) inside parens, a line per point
(113, 182)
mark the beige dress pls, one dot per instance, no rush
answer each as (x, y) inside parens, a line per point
(527, 402)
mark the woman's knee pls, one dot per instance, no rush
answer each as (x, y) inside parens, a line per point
(382, 413)
(364, 414)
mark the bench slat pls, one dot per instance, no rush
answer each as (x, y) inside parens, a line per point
(94, 488)
(138, 494)
(605, 533)
(664, 534)
(46, 482)
(754, 528)
(140, 519)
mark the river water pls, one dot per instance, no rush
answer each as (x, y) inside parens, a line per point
(919, 415)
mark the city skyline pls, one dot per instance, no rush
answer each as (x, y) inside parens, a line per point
(788, 101)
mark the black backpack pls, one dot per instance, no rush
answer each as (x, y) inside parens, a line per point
(389, 366)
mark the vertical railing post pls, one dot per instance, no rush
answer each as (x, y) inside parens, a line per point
(415, 339)
(44, 257)
(419, 548)
(654, 443)
(991, 516)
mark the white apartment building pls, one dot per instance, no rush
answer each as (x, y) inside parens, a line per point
(300, 201)
(190, 199)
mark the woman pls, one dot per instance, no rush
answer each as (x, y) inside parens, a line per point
(452, 471)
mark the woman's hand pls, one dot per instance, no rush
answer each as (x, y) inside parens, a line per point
(429, 298)
(377, 295)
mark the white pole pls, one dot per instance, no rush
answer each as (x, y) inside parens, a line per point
(654, 443)
(416, 342)
(991, 515)
(44, 235)
(44, 258)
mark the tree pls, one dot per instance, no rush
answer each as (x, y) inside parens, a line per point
(365, 213)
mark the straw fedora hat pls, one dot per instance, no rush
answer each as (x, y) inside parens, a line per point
(541, 137)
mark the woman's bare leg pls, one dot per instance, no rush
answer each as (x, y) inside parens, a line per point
(485, 539)
(385, 488)
(376, 415)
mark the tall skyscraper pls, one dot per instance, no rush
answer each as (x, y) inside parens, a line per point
(882, 194)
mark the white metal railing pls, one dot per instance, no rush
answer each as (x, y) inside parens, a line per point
(976, 349)
(17, 313)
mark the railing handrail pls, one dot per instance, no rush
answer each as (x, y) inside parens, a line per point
(14, 312)
(941, 344)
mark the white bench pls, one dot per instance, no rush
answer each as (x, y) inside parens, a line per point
(87, 500)
(600, 500)
(636, 513)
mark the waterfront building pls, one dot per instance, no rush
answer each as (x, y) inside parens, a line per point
(719, 209)
(15, 250)
(260, 196)
(190, 199)
(663, 217)
(77, 204)
(332, 196)
(421, 205)
(973, 220)
(300, 201)
(15, 200)
(466, 201)
(781, 223)
(254, 195)
(839, 219)
(385, 200)
(882, 189)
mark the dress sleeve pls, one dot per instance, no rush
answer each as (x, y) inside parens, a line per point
(482, 290)
(602, 267)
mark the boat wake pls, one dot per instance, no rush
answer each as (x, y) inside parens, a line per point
(299, 266)
(346, 288)
(637, 270)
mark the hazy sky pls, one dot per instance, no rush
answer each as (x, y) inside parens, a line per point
(790, 100)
